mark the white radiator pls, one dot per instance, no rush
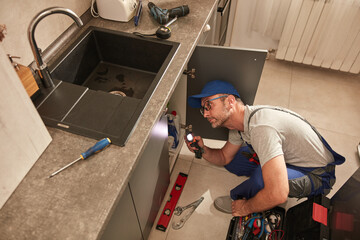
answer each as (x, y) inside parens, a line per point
(323, 33)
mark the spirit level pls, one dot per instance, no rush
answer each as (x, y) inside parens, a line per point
(171, 203)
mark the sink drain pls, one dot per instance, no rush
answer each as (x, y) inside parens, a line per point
(119, 93)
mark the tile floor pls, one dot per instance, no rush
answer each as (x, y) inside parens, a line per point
(330, 100)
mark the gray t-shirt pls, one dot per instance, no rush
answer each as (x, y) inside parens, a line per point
(272, 133)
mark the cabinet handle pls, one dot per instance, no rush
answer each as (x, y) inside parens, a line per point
(207, 28)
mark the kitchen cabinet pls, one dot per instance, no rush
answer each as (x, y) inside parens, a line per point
(138, 207)
(151, 177)
(241, 67)
(222, 19)
(208, 34)
(123, 223)
(215, 31)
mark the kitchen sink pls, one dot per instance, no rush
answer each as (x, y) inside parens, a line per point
(103, 82)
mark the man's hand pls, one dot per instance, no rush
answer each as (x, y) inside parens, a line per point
(200, 143)
(239, 209)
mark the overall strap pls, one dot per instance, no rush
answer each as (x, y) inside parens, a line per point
(337, 157)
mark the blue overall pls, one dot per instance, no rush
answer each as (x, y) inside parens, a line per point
(246, 163)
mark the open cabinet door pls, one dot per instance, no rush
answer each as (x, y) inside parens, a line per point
(241, 67)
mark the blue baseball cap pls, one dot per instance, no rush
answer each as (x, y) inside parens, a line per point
(212, 88)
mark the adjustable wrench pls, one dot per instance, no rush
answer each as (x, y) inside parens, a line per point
(179, 210)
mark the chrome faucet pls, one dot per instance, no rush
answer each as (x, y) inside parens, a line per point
(43, 70)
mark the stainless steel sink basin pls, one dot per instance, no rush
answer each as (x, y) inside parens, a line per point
(104, 80)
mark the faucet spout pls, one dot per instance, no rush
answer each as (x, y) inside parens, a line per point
(44, 72)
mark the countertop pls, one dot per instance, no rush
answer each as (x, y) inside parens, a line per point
(77, 203)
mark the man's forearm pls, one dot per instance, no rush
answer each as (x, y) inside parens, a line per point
(214, 156)
(219, 156)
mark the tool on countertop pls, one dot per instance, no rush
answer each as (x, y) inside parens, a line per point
(169, 207)
(138, 13)
(162, 16)
(99, 146)
(193, 142)
(163, 32)
(179, 210)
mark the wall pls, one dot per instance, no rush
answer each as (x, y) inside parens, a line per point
(17, 15)
(23, 135)
(241, 36)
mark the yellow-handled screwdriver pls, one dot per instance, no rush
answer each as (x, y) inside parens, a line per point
(99, 146)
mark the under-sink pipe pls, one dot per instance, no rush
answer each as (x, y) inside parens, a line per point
(43, 69)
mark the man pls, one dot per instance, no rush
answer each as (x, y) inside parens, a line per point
(284, 156)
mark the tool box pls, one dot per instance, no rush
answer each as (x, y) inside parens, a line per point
(316, 218)
(265, 225)
(307, 220)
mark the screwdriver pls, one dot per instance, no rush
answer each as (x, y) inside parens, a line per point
(99, 146)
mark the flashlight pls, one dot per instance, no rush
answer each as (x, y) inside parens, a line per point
(190, 137)
(194, 142)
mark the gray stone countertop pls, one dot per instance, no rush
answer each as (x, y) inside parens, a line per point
(77, 203)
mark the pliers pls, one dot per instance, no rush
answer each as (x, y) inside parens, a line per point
(253, 157)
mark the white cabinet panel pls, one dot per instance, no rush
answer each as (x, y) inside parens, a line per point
(23, 135)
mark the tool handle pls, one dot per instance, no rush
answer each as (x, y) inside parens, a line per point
(100, 145)
(199, 151)
(138, 13)
(179, 11)
(159, 14)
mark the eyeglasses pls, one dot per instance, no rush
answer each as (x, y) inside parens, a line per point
(207, 104)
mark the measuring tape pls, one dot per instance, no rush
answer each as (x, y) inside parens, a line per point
(171, 203)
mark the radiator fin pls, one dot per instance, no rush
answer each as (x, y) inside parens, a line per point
(323, 33)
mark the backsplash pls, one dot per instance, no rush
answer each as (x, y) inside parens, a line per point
(18, 15)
